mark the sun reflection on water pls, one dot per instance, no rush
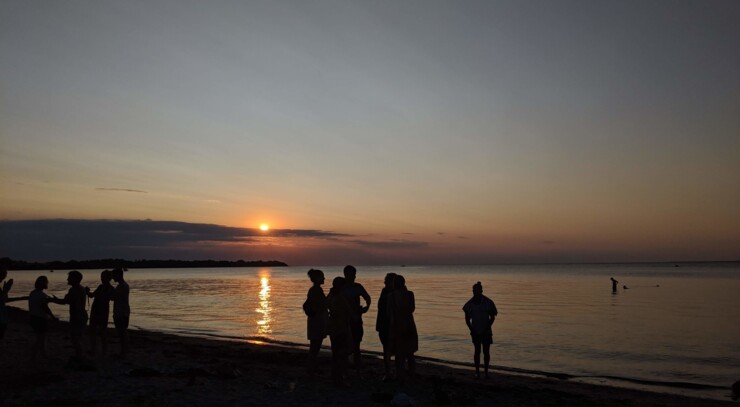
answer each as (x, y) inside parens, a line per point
(265, 309)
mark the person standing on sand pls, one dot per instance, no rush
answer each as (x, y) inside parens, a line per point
(38, 309)
(121, 309)
(403, 336)
(75, 298)
(480, 313)
(318, 316)
(340, 332)
(354, 291)
(99, 312)
(382, 323)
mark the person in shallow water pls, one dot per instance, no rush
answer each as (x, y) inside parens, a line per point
(614, 284)
(480, 313)
(318, 316)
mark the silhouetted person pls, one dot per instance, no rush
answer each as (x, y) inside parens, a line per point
(99, 311)
(121, 309)
(38, 309)
(354, 291)
(403, 336)
(736, 390)
(480, 313)
(614, 284)
(340, 332)
(383, 323)
(4, 299)
(318, 318)
(75, 298)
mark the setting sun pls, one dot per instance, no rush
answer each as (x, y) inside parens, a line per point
(265, 227)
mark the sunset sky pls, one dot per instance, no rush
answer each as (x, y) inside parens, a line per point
(370, 132)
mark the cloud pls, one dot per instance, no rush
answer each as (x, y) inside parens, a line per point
(61, 239)
(391, 244)
(121, 190)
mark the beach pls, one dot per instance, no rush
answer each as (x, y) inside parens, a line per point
(166, 369)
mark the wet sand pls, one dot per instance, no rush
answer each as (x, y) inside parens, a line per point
(170, 370)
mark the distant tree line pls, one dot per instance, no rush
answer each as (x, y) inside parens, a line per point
(11, 264)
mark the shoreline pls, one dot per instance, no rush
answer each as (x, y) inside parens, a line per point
(170, 369)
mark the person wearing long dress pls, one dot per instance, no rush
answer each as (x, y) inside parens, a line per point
(318, 317)
(403, 336)
(383, 322)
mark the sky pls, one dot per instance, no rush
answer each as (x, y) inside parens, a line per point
(370, 132)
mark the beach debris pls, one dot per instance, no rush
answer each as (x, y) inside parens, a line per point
(402, 400)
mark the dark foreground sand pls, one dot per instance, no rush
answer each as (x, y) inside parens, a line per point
(169, 370)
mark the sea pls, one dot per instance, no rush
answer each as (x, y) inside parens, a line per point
(672, 327)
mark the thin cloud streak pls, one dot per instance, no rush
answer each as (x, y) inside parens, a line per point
(121, 190)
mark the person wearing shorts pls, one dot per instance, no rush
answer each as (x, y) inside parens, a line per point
(480, 313)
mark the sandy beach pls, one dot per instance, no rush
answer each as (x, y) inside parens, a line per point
(165, 369)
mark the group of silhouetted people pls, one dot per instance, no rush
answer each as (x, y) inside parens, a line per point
(76, 299)
(339, 315)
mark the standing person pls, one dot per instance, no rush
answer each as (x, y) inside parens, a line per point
(382, 323)
(318, 316)
(403, 336)
(38, 309)
(340, 332)
(480, 313)
(354, 291)
(75, 298)
(121, 309)
(99, 312)
(4, 299)
(614, 284)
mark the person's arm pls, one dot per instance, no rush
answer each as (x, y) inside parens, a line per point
(6, 288)
(468, 320)
(47, 310)
(492, 313)
(7, 300)
(62, 301)
(413, 301)
(366, 297)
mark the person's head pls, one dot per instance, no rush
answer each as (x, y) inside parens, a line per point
(74, 277)
(399, 283)
(316, 276)
(612, 278)
(350, 272)
(105, 276)
(477, 289)
(42, 283)
(338, 283)
(389, 280)
(117, 274)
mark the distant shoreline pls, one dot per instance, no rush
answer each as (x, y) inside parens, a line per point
(134, 264)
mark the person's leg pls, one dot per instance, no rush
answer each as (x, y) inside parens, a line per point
(401, 368)
(357, 333)
(486, 357)
(313, 354)
(412, 364)
(121, 324)
(476, 357)
(93, 347)
(103, 334)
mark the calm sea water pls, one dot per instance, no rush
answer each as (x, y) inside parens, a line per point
(673, 324)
